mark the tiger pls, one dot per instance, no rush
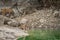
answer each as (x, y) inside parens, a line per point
(6, 12)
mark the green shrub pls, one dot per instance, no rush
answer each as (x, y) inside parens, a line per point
(43, 35)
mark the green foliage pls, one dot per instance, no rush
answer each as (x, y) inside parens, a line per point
(43, 35)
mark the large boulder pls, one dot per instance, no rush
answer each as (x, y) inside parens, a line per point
(10, 33)
(7, 21)
(13, 23)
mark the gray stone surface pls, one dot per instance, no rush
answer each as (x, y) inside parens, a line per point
(10, 33)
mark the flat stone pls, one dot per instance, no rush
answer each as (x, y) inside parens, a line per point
(10, 33)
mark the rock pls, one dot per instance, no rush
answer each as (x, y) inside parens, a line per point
(16, 13)
(56, 14)
(24, 20)
(42, 20)
(12, 22)
(10, 33)
(2, 19)
(7, 21)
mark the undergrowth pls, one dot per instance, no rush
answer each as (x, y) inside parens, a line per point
(42, 35)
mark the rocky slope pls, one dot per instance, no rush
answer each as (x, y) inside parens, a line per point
(28, 15)
(42, 19)
(8, 31)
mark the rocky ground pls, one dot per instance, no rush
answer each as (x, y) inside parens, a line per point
(39, 19)
(8, 32)
(27, 17)
(45, 18)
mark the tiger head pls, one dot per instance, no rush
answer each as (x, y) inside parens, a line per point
(6, 12)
